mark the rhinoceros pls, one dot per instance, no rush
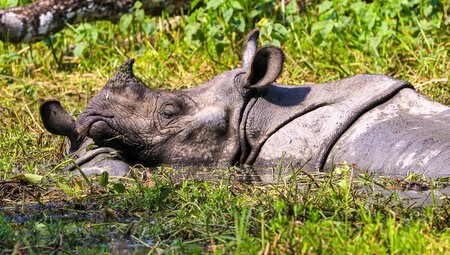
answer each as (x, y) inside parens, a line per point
(242, 117)
(86, 156)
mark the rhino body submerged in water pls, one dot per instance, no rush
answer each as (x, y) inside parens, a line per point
(241, 117)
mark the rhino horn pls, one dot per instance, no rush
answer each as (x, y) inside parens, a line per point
(122, 76)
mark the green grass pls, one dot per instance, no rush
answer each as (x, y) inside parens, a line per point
(327, 214)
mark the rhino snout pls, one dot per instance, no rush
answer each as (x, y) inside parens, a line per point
(95, 127)
(100, 130)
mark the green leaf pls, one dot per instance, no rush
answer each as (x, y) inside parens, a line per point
(165, 192)
(65, 188)
(140, 15)
(137, 5)
(268, 28)
(276, 43)
(325, 6)
(255, 13)
(345, 168)
(214, 4)
(125, 22)
(219, 48)
(280, 29)
(344, 22)
(163, 43)
(227, 15)
(119, 187)
(239, 23)
(324, 28)
(8, 3)
(357, 7)
(343, 184)
(41, 228)
(292, 8)
(93, 35)
(194, 4)
(428, 10)
(103, 180)
(237, 5)
(29, 178)
(79, 49)
(149, 28)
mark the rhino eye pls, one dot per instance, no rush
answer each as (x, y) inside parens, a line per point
(168, 111)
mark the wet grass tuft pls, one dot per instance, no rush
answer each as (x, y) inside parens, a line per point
(346, 210)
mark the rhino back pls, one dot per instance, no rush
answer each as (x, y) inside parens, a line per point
(305, 131)
(407, 133)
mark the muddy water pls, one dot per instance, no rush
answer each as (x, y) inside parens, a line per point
(415, 198)
(412, 195)
(114, 241)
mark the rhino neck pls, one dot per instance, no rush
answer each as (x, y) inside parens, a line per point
(213, 103)
(273, 107)
(335, 105)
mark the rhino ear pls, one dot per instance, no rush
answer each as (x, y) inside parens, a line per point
(250, 46)
(57, 121)
(265, 67)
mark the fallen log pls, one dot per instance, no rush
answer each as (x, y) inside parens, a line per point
(35, 21)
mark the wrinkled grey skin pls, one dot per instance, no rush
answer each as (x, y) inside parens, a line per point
(90, 158)
(243, 117)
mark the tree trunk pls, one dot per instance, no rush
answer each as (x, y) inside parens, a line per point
(33, 22)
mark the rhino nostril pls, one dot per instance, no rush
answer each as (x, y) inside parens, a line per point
(100, 130)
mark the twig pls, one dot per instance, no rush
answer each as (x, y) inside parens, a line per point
(443, 80)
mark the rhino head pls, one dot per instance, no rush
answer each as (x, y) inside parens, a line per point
(191, 126)
(86, 156)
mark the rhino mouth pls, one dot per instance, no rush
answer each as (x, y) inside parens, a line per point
(97, 128)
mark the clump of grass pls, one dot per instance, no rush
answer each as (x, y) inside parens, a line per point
(311, 213)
